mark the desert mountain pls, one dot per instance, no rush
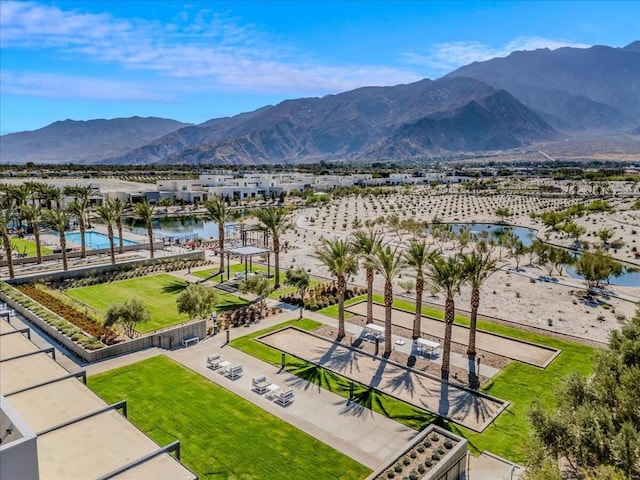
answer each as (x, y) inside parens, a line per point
(595, 88)
(352, 125)
(72, 141)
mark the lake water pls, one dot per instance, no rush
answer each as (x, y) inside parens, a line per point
(178, 226)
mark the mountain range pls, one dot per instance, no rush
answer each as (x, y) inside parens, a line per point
(500, 104)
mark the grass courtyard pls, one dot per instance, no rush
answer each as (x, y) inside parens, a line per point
(517, 383)
(221, 435)
(28, 247)
(157, 292)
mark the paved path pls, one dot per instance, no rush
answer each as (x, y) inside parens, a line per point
(463, 406)
(525, 352)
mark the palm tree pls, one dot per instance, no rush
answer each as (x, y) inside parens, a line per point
(19, 194)
(365, 244)
(275, 221)
(417, 257)
(144, 212)
(32, 214)
(218, 212)
(78, 208)
(52, 194)
(341, 260)
(105, 212)
(477, 268)
(117, 206)
(387, 262)
(446, 276)
(58, 219)
(6, 216)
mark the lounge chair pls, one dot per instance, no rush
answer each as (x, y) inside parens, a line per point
(261, 383)
(284, 397)
(234, 371)
(214, 361)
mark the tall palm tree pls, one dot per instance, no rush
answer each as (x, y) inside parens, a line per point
(19, 194)
(32, 214)
(52, 194)
(365, 243)
(117, 206)
(218, 212)
(446, 276)
(7, 212)
(417, 257)
(275, 221)
(341, 260)
(387, 262)
(144, 212)
(58, 219)
(477, 267)
(78, 208)
(105, 212)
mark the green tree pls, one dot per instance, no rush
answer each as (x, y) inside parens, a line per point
(117, 207)
(298, 278)
(259, 286)
(503, 213)
(574, 230)
(78, 209)
(446, 276)
(340, 259)
(275, 221)
(33, 214)
(58, 219)
(596, 267)
(144, 212)
(605, 234)
(417, 257)
(476, 267)
(218, 211)
(388, 262)
(594, 425)
(365, 243)
(197, 301)
(105, 212)
(6, 217)
(129, 314)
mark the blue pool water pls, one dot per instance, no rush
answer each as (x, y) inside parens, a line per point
(96, 239)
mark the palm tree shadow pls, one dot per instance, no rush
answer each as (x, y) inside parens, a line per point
(470, 405)
(176, 286)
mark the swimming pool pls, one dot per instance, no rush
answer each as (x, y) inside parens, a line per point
(96, 239)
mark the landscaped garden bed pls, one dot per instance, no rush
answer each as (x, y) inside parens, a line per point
(321, 296)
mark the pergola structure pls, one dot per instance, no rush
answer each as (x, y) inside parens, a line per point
(247, 253)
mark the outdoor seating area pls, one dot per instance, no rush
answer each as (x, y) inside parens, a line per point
(214, 361)
(284, 397)
(261, 383)
(373, 331)
(426, 347)
(234, 371)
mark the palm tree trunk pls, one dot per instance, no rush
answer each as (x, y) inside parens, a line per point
(83, 240)
(120, 239)
(342, 287)
(221, 245)
(418, 318)
(449, 314)
(150, 234)
(388, 302)
(63, 247)
(475, 303)
(7, 252)
(36, 234)
(369, 295)
(112, 249)
(276, 255)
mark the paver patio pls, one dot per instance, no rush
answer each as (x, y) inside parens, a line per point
(465, 407)
(537, 355)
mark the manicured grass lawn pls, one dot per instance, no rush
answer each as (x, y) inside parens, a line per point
(517, 383)
(383, 404)
(21, 245)
(221, 435)
(158, 292)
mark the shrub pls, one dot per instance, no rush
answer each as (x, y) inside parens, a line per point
(428, 462)
(421, 469)
(435, 437)
(413, 454)
(406, 461)
(435, 456)
(448, 444)
(390, 474)
(398, 468)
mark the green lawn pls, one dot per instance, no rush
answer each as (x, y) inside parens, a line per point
(222, 436)
(158, 292)
(518, 383)
(21, 246)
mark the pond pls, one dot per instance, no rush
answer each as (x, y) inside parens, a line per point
(179, 226)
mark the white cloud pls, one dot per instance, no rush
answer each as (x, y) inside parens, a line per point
(445, 57)
(206, 49)
(48, 85)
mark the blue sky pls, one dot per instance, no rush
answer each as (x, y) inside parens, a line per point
(193, 61)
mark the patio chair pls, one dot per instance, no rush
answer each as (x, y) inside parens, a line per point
(261, 383)
(285, 397)
(214, 361)
(234, 371)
